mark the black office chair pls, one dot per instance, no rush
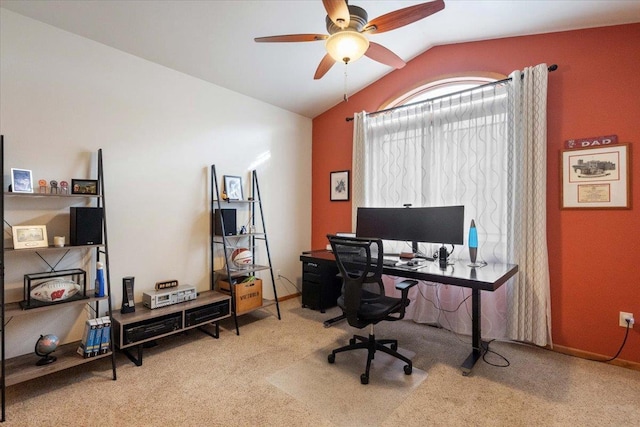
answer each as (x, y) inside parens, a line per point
(363, 299)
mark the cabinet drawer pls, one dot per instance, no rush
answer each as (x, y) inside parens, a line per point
(146, 329)
(311, 267)
(206, 314)
(319, 272)
(311, 277)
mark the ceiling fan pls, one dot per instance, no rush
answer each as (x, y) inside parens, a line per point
(347, 26)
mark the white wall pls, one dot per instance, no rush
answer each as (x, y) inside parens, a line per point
(62, 97)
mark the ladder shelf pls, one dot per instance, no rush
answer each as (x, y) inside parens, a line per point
(232, 240)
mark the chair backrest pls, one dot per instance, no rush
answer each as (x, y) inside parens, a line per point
(360, 261)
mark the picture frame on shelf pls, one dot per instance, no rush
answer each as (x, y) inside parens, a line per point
(21, 180)
(339, 185)
(29, 236)
(84, 186)
(595, 178)
(233, 187)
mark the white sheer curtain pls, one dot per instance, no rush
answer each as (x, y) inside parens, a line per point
(458, 149)
(529, 301)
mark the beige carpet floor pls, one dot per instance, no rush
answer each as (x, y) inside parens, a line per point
(335, 391)
(250, 380)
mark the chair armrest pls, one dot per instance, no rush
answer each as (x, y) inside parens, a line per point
(406, 284)
(404, 287)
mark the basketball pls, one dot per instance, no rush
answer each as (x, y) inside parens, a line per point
(242, 257)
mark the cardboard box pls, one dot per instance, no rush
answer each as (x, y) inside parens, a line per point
(248, 294)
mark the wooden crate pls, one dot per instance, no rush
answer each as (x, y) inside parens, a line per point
(248, 294)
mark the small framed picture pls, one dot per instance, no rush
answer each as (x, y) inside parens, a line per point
(233, 187)
(21, 181)
(596, 178)
(29, 236)
(339, 186)
(84, 186)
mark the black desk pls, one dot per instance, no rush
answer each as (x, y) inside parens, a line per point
(487, 278)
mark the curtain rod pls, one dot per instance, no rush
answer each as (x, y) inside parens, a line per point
(551, 67)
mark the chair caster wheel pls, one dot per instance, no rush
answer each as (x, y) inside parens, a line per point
(408, 369)
(364, 379)
(394, 347)
(331, 358)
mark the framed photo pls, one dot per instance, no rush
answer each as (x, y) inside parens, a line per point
(84, 186)
(29, 236)
(339, 182)
(233, 187)
(21, 181)
(596, 178)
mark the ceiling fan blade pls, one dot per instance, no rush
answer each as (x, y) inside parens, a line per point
(324, 66)
(401, 17)
(383, 55)
(292, 38)
(338, 12)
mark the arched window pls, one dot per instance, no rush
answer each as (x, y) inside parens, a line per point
(441, 86)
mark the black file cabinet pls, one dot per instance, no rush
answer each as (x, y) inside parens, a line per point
(320, 285)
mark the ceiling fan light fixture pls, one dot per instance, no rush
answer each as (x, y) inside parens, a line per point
(347, 46)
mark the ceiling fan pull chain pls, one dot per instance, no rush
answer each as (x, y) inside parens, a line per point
(346, 97)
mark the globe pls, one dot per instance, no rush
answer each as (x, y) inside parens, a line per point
(45, 345)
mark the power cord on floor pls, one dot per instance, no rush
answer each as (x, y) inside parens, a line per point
(486, 351)
(624, 341)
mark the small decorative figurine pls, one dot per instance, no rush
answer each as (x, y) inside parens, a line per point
(43, 186)
(64, 187)
(54, 186)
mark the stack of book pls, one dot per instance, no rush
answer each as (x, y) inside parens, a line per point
(96, 338)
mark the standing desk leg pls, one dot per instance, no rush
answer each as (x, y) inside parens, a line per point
(476, 338)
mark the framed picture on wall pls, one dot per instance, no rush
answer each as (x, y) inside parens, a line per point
(595, 178)
(339, 182)
(233, 187)
(21, 181)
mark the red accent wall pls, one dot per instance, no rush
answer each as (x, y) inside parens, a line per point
(594, 255)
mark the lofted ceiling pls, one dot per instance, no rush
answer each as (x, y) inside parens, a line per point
(213, 39)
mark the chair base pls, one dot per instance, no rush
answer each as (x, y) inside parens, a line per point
(372, 345)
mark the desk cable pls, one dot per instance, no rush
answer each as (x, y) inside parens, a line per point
(487, 351)
(450, 329)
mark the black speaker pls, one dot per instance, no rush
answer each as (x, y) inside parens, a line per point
(128, 304)
(229, 219)
(85, 226)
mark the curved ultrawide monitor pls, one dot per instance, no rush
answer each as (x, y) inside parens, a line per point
(442, 224)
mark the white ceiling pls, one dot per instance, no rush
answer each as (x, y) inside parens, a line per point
(213, 39)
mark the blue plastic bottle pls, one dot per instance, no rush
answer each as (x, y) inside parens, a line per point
(99, 287)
